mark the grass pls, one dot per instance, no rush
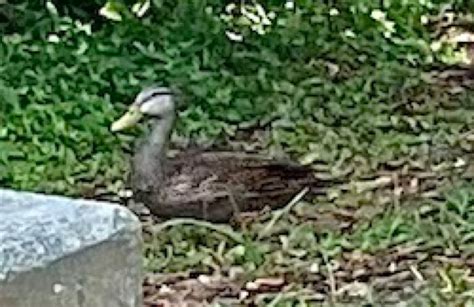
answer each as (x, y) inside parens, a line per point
(396, 224)
(378, 260)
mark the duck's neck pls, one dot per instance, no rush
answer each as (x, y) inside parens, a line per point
(149, 162)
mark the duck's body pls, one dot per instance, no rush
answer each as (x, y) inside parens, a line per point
(214, 185)
(205, 185)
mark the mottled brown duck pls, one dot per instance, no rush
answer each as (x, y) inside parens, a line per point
(210, 185)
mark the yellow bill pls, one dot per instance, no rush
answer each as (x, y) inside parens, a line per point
(130, 118)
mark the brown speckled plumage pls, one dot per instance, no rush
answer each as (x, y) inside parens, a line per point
(208, 185)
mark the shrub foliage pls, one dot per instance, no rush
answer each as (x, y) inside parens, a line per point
(329, 79)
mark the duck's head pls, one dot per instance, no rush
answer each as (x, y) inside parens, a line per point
(153, 102)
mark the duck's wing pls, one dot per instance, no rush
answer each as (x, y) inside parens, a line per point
(246, 174)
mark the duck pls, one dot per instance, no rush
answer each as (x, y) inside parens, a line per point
(199, 183)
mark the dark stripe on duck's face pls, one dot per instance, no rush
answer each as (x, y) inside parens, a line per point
(156, 94)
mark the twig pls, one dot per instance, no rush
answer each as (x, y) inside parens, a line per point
(278, 214)
(332, 280)
(225, 230)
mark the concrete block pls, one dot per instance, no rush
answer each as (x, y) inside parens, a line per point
(56, 251)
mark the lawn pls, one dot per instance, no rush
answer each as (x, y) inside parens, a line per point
(371, 95)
